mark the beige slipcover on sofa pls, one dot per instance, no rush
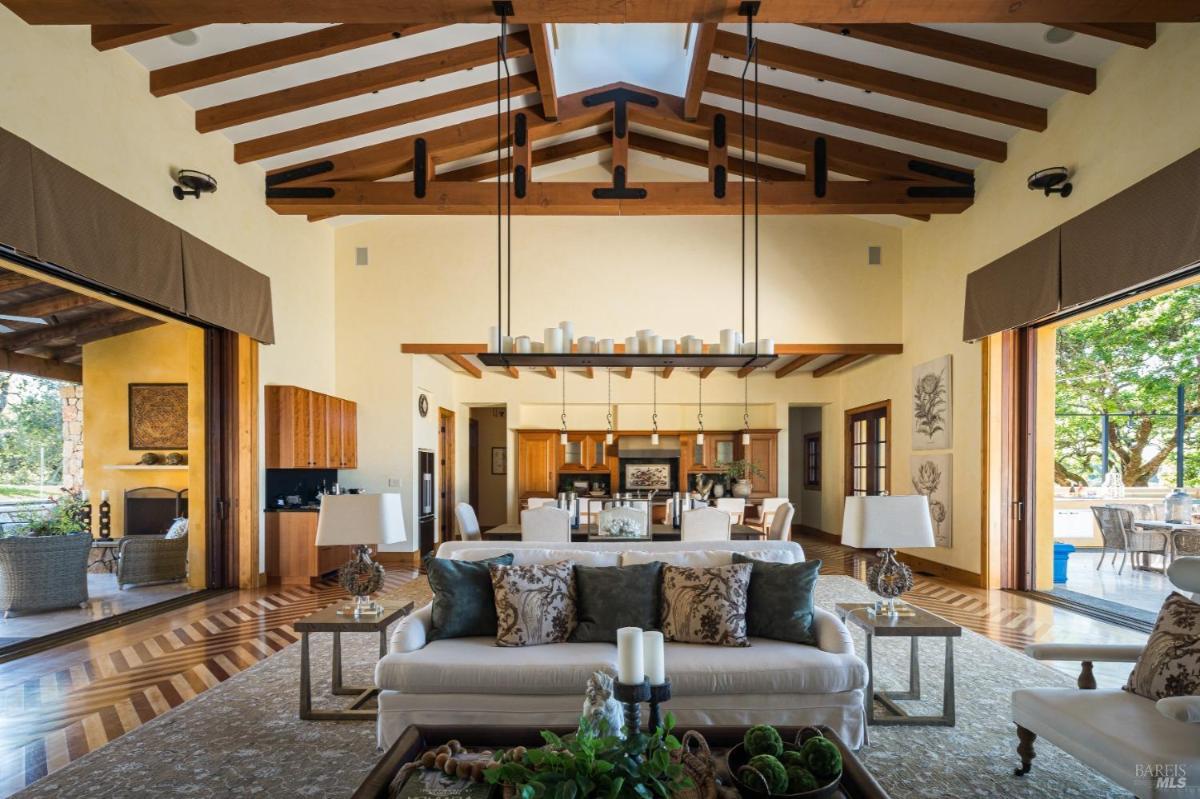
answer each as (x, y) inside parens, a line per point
(473, 681)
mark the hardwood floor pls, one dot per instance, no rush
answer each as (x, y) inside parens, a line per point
(61, 704)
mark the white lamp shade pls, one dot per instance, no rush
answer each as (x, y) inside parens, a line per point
(352, 519)
(887, 522)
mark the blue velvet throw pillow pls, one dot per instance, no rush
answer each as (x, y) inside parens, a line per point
(608, 598)
(780, 602)
(464, 604)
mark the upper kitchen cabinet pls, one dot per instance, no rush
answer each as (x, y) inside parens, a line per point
(309, 430)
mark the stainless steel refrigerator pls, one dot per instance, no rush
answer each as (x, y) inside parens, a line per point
(426, 502)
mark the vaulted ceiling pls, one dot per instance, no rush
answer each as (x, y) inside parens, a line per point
(399, 116)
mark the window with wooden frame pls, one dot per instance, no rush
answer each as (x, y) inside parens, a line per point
(868, 449)
(812, 460)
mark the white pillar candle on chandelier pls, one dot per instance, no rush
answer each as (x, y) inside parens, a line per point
(506, 343)
(654, 657)
(553, 339)
(568, 335)
(739, 343)
(538, 346)
(606, 346)
(493, 339)
(524, 345)
(766, 346)
(631, 345)
(587, 345)
(653, 344)
(630, 664)
(668, 346)
(729, 345)
(747, 347)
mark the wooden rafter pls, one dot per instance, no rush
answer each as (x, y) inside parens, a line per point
(839, 349)
(120, 12)
(41, 335)
(14, 281)
(543, 64)
(972, 52)
(702, 50)
(365, 81)
(835, 365)
(694, 155)
(40, 367)
(110, 37)
(794, 364)
(667, 372)
(462, 363)
(1137, 34)
(118, 329)
(855, 116)
(45, 306)
(546, 155)
(628, 372)
(550, 372)
(589, 373)
(706, 371)
(379, 119)
(273, 54)
(745, 371)
(512, 372)
(893, 84)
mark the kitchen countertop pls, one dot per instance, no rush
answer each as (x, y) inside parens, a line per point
(296, 509)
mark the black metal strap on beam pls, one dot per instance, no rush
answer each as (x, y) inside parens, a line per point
(420, 168)
(720, 178)
(820, 175)
(301, 193)
(942, 192)
(619, 191)
(299, 173)
(942, 172)
(620, 98)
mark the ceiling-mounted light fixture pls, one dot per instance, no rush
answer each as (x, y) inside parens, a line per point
(1057, 35)
(654, 413)
(608, 436)
(700, 408)
(746, 413)
(562, 434)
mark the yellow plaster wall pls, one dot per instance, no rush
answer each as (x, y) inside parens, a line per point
(168, 353)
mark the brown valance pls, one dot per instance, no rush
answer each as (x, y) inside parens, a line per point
(1145, 233)
(17, 220)
(225, 292)
(1013, 291)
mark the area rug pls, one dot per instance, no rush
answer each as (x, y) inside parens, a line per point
(244, 738)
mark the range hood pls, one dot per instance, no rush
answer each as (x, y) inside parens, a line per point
(640, 447)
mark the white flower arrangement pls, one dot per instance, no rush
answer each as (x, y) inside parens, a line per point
(621, 527)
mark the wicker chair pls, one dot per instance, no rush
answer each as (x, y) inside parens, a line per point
(44, 572)
(1120, 535)
(145, 559)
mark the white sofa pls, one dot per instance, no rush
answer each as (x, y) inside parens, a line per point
(473, 681)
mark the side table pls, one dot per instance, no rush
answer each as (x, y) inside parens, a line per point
(108, 549)
(920, 624)
(328, 620)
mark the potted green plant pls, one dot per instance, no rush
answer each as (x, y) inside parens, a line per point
(739, 473)
(64, 516)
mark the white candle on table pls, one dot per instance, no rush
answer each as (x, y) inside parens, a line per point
(630, 666)
(652, 651)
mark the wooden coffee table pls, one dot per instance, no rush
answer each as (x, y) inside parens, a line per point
(857, 782)
(328, 620)
(915, 626)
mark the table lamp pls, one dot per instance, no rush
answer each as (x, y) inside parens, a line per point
(885, 523)
(361, 521)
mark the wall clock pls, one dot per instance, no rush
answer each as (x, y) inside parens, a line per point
(423, 405)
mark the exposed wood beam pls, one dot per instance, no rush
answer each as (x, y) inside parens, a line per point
(971, 52)
(745, 371)
(575, 199)
(543, 64)
(379, 119)
(839, 349)
(118, 329)
(1141, 34)
(45, 306)
(40, 367)
(40, 335)
(512, 372)
(893, 84)
(546, 155)
(462, 363)
(628, 372)
(550, 372)
(272, 55)
(694, 155)
(667, 372)
(13, 281)
(110, 37)
(97, 12)
(856, 116)
(706, 371)
(840, 363)
(589, 373)
(364, 81)
(443, 349)
(794, 364)
(706, 36)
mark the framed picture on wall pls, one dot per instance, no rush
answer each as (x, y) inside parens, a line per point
(932, 396)
(158, 416)
(499, 460)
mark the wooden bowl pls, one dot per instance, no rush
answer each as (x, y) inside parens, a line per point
(736, 757)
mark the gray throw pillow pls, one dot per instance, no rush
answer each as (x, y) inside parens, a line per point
(610, 597)
(781, 599)
(464, 604)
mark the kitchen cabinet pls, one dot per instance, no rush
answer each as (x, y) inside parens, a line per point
(595, 453)
(572, 455)
(293, 557)
(763, 453)
(537, 461)
(310, 430)
(717, 449)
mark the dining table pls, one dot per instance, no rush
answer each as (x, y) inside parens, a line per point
(658, 532)
(1183, 538)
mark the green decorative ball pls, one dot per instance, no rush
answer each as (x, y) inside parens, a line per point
(822, 757)
(772, 771)
(763, 739)
(791, 757)
(800, 780)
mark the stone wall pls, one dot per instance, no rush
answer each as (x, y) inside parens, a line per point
(72, 427)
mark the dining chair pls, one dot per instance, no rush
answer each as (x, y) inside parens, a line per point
(781, 523)
(546, 524)
(468, 522)
(706, 524)
(1120, 535)
(540, 502)
(766, 511)
(639, 515)
(734, 506)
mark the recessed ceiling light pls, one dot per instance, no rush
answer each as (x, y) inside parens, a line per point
(185, 38)
(1056, 35)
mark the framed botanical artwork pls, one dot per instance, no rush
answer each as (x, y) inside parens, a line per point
(499, 460)
(932, 476)
(932, 396)
(158, 416)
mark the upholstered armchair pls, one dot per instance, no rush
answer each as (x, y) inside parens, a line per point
(1142, 745)
(145, 559)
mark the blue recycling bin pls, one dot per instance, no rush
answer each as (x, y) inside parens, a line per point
(1061, 553)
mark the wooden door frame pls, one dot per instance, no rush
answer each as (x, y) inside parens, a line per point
(445, 456)
(848, 454)
(223, 457)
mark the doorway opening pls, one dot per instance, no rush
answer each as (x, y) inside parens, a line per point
(488, 469)
(868, 449)
(805, 468)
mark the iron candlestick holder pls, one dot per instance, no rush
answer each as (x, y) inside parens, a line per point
(632, 696)
(658, 695)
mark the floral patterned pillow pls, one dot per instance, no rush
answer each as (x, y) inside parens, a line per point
(1170, 663)
(535, 604)
(706, 606)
